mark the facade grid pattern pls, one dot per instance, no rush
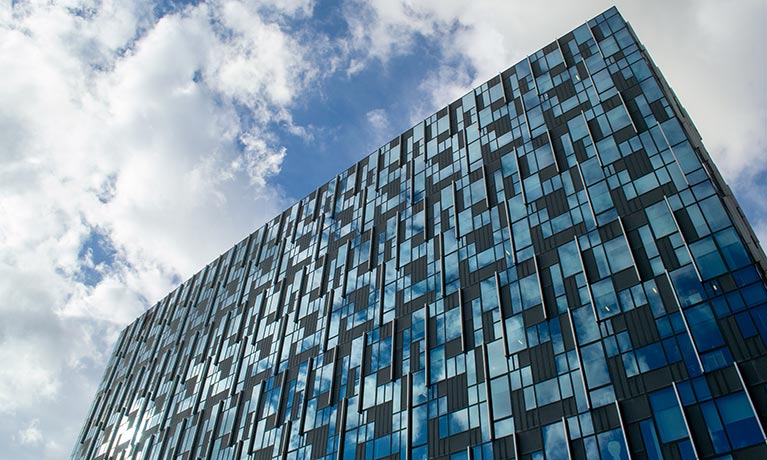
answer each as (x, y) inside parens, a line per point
(548, 268)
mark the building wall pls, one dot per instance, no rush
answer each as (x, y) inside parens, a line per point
(550, 267)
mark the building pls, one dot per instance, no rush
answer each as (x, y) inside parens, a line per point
(550, 267)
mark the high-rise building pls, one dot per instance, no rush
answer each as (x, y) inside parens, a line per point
(550, 267)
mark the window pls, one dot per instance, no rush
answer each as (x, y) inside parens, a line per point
(668, 415)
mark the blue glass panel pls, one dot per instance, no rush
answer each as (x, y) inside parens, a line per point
(688, 161)
(618, 118)
(544, 156)
(668, 415)
(704, 328)
(437, 364)
(629, 362)
(577, 128)
(618, 254)
(739, 420)
(687, 286)
(531, 295)
(452, 324)
(608, 151)
(547, 391)
(420, 453)
(501, 397)
(515, 330)
(595, 366)
(650, 357)
(458, 421)
(707, 258)
(746, 325)
(650, 438)
(686, 450)
(592, 171)
(732, 248)
(489, 294)
(673, 131)
(660, 219)
(585, 325)
(714, 213)
(555, 442)
(715, 428)
(605, 300)
(382, 446)
(611, 445)
(600, 197)
(755, 294)
(420, 420)
(504, 428)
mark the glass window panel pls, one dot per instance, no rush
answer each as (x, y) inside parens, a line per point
(668, 415)
(458, 421)
(673, 131)
(739, 420)
(650, 438)
(609, 46)
(607, 149)
(585, 325)
(577, 128)
(544, 156)
(629, 362)
(547, 391)
(687, 286)
(504, 428)
(687, 159)
(453, 324)
(600, 197)
(489, 294)
(592, 171)
(707, 258)
(618, 118)
(499, 389)
(618, 254)
(715, 428)
(732, 248)
(602, 80)
(660, 219)
(521, 233)
(650, 357)
(555, 442)
(611, 444)
(530, 291)
(704, 328)
(714, 213)
(605, 300)
(515, 333)
(595, 366)
(570, 259)
(497, 362)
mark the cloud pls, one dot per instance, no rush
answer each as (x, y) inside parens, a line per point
(135, 149)
(31, 434)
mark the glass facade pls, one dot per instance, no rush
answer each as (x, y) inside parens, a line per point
(548, 268)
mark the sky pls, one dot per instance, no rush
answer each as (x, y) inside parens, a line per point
(140, 140)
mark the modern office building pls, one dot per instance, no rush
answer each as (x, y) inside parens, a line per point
(550, 267)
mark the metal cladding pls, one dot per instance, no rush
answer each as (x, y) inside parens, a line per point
(550, 267)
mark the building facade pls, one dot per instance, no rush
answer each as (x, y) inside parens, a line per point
(548, 268)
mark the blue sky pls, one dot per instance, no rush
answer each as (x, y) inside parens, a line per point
(140, 140)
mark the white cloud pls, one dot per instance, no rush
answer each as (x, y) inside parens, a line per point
(31, 434)
(378, 119)
(155, 136)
